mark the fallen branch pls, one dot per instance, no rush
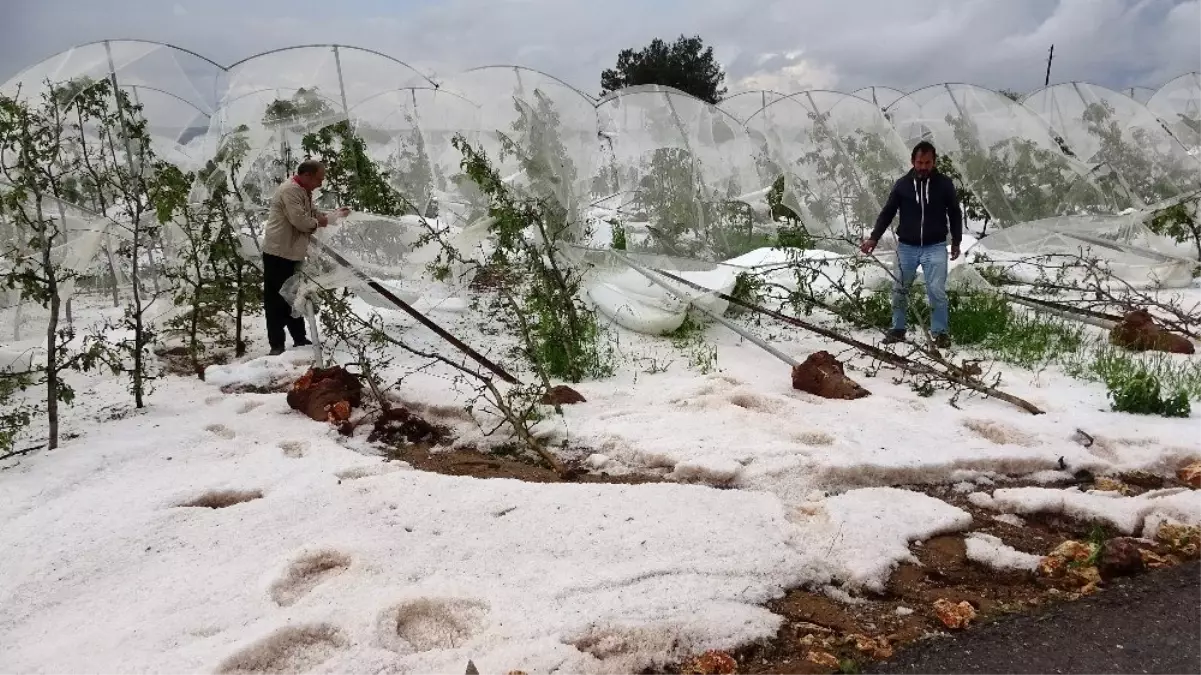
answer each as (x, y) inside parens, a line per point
(953, 373)
(423, 319)
(24, 451)
(524, 433)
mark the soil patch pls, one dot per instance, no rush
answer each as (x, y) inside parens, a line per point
(177, 362)
(821, 634)
(503, 463)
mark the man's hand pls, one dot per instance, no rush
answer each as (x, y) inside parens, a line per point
(343, 212)
(867, 246)
(954, 251)
(322, 220)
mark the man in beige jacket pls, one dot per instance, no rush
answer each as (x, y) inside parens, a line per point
(291, 221)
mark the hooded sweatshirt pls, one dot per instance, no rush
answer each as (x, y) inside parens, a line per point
(929, 210)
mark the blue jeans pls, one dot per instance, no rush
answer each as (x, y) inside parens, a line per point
(933, 261)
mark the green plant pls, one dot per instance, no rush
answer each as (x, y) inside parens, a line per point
(1179, 222)
(982, 320)
(1139, 392)
(993, 273)
(689, 338)
(15, 414)
(849, 179)
(749, 288)
(618, 237)
(775, 202)
(795, 236)
(1016, 180)
(130, 172)
(968, 202)
(1105, 363)
(1032, 342)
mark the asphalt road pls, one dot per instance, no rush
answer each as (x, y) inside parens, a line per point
(1146, 624)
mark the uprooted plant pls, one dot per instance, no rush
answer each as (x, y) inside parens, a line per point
(1088, 282)
(537, 287)
(369, 342)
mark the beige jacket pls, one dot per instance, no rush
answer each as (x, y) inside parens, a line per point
(290, 222)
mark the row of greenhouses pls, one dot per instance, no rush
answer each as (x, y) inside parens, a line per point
(1067, 167)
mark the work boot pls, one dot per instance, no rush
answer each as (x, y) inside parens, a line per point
(303, 342)
(275, 351)
(942, 340)
(894, 336)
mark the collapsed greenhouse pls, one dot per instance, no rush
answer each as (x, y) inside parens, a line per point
(645, 174)
(544, 423)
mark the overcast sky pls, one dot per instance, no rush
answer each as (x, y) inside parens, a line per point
(785, 45)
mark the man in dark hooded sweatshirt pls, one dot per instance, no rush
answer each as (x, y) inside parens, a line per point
(929, 210)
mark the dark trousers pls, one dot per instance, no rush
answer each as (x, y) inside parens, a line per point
(276, 271)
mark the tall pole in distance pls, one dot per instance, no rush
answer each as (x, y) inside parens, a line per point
(1047, 81)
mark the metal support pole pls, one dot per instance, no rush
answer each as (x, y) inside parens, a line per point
(341, 83)
(310, 315)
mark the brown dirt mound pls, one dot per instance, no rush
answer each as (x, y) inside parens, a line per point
(1139, 332)
(822, 375)
(326, 394)
(563, 395)
(177, 361)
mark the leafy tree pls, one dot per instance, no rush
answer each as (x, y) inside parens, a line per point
(300, 111)
(1179, 222)
(413, 174)
(305, 111)
(199, 270)
(1138, 166)
(229, 198)
(689, 218)
(352, 178)
(673, 198)
(35, 164)
(968, 202)
(129, 172)
(842, 180)
(550, 174)
(1017, 181)
(686, 64)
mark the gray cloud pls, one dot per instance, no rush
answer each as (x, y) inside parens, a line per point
(762, 43)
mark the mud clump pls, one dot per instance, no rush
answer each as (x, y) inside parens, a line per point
(1139, 332)
(399, 426)
(1190, 475)
(326, 394)
(822, 375)
(562, 395)
(1120, 557)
